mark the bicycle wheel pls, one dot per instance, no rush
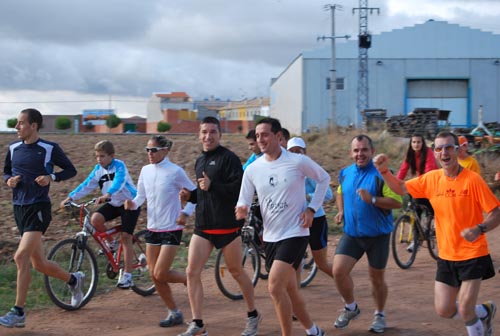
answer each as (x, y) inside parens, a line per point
(431, 239)
(72, 255)
(251, 265)
(143, 284)
(263, 272)
(308, 268)
(402, 237)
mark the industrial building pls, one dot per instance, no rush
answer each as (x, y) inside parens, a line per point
(430, 65)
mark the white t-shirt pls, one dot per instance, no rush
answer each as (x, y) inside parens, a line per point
(160, 184)
(280, 186)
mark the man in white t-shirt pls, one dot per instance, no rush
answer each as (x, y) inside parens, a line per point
(278, 177)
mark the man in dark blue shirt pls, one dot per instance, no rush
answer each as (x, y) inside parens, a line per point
(29, 170)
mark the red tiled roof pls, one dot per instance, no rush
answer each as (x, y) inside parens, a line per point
(172, 95)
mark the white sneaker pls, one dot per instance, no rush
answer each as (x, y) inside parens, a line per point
(77, 290)
(125, 281)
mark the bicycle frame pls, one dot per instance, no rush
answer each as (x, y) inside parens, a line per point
(99, 237)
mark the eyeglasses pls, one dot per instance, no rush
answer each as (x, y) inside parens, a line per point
(154, 149)
(447, 148)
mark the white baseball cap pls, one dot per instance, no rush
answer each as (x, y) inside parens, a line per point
(295, 142)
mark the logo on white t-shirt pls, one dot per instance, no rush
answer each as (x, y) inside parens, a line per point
(273, 180)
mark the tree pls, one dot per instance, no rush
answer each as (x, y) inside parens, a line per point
(163, 126)
(113, 121)
(12, 122)
(63, 123)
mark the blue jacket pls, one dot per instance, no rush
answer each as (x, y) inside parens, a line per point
(114, 180)
(362, 219)
(31, 161)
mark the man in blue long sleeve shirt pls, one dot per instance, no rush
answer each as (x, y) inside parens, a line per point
(28, 171)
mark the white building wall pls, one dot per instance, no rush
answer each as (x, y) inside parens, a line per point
(287, 97)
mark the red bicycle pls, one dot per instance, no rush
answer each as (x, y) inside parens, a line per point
(75, 254)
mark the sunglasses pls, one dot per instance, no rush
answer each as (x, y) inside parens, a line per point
(447, 148)
(154, 149)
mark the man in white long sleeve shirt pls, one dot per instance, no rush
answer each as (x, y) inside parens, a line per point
(278, 177)
(159, 184)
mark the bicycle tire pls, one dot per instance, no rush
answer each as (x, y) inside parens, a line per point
(263, 272)
(143, 283)
(251, 264)
(308, 268)
(431, 239)
(72, 255)
(403, 235)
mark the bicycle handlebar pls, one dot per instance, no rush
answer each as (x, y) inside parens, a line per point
(85, 205)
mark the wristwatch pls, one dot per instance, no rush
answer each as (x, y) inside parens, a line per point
(53, 177)
(374, 199)
(482, 228)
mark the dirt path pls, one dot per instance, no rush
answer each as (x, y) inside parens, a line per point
(409, 308)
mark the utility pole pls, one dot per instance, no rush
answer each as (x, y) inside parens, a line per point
(333, 69)
(365, 41)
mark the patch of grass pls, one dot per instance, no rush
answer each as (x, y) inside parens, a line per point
(37, 296)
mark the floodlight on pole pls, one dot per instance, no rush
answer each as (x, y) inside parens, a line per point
(333, 70)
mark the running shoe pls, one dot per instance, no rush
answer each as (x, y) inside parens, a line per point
(252, 326)
(319, 333)
(174, 318)
(194, 330)
(378, 324)
(12, 319)
(76, 289)
(346, 316)
(125, 281)
(491, 307)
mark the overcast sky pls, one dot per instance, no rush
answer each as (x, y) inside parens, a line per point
(116, 53)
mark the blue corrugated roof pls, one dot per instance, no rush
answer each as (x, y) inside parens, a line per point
(432, 39)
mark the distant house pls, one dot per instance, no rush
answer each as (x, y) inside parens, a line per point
(184, 114)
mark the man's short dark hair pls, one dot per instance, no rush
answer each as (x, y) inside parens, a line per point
(361, 137)
(251, 135)
(445, 134)
(275, 124)
(34, 116)
(211, 120)
(286, 133)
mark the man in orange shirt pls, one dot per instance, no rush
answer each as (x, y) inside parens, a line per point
(459, 198)
(464, 158)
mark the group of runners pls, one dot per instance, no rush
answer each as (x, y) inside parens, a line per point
(290, 188)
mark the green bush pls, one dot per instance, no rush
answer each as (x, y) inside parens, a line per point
(113, 121)
(12, 122)
(163, 126)
(63, 123)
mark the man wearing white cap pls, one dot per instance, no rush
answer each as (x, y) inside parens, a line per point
(318, 232)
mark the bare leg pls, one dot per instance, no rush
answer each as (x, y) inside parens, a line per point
(199, 252)
(232, 256)
(30, 249)
(379, 287)
(341, 270)
(160, 260)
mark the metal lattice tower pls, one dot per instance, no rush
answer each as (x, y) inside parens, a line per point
(364, 45)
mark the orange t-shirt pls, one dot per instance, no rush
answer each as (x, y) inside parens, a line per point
(458, 204)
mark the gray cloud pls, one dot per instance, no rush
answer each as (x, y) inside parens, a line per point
(218, 47)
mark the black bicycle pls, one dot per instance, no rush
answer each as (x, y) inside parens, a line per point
(252, 253)
(410, 232)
